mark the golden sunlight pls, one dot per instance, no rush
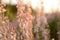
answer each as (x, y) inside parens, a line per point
(35, 4)
(48, 5)
(55, 5)
(25, 1)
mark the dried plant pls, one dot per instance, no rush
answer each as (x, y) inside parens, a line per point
(24, 18)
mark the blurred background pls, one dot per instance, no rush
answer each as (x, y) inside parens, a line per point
(50, 8)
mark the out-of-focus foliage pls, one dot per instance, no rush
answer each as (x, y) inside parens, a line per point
(53, 28)
(11, 11)
(40, 35)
